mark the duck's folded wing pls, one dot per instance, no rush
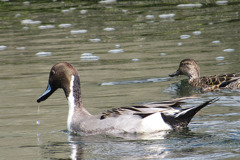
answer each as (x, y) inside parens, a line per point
(147, 109)
(219, 80)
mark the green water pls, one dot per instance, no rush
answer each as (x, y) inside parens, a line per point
(148, 49)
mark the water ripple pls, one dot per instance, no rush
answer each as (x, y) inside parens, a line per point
(150, 80)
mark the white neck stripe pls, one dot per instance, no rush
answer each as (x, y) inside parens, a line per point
(71, 105)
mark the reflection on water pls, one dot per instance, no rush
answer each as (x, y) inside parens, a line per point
(182, 89)
(114, 148)
(157, 148)
(132, 43)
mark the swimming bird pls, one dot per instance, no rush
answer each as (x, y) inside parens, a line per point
(190, 68)
(145, 118)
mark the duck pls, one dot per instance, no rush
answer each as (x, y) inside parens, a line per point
(191, 69)
(148, 117)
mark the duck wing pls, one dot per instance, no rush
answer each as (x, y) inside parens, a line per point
(210, 83)
(146, 109)
(171, 111)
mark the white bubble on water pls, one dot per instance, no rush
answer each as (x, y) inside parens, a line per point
(43, 54)
(17, 15)
(30, 22)
(107, 1)
(78, 31)
(20, 48)
(163, 54)
(2, 47)
(109, 29)
(89, 57)
(26, 28)
(115, 51)
(185, 36)
(95, 40)
(38, 122)
(196, 33)
(149, 16)
(64, 25)
(83, 11)
(65, 11)
(135, 59)
(46, 26)
(221, 2)
(189, 5)
(180, 44)
(171, 15)
(220, 58)
(216, 42)
(229, 50)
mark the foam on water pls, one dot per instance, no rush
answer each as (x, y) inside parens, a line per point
(2, 47)
(116, 51)
(196, 33)
(222, 2)
(185, 36)
(65, 11)
(83, 11)
(229, 50)
(117, 45)
(109, 29)
(20, 48)
(95, 40)
(171, 15)
(89, 57)
(43, 54)
(216, 42)
(30, 22)
(135, 59)
(149, 16)
(163, 54)
(179, 43)
(46, 26)
(78, 31)
(107, 1)
(64, 25)
(220, 58)
(189, 5)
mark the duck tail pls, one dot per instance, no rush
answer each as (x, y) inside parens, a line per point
(224, 84)
(182, 119)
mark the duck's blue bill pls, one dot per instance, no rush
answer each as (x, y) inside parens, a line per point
(46, 94)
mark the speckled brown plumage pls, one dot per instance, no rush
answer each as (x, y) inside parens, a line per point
(190, 68)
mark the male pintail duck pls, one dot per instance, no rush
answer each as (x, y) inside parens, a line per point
(149, 117)
(190, 68)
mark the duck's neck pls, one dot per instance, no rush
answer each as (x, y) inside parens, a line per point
(75, 102)
(194, 75)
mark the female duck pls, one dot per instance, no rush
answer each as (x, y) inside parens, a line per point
(190, 68)
(150, 117)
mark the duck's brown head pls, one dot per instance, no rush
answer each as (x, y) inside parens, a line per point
(188, 67)
(60, 76)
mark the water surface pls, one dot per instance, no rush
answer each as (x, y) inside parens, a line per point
(124, 51)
